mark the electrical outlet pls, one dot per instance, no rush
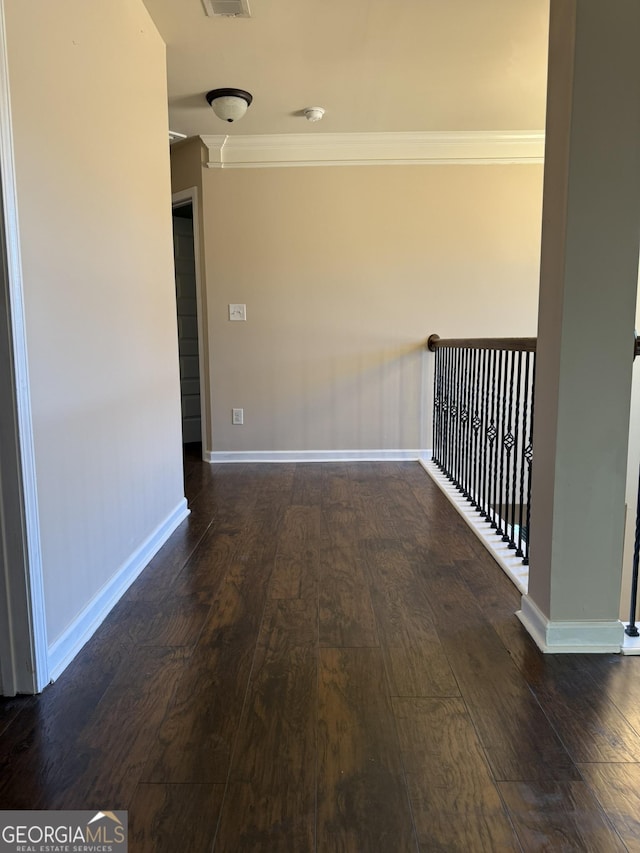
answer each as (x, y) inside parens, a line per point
(237, 416)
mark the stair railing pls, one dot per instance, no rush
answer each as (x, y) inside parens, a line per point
(483, 428)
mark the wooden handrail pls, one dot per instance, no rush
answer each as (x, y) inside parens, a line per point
(435, 342)
(512, 344)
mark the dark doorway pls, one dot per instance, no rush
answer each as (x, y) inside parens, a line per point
(187, 316)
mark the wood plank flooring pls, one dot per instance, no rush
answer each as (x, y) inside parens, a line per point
(323, 659)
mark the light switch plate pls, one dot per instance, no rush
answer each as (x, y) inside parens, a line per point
(237, 312)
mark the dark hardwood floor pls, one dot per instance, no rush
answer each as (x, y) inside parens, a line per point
(324, 658)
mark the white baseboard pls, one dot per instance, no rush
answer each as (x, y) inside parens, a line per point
(582, 636)
(631, 645)
(511, 565)
(67, 646)
(317, 455)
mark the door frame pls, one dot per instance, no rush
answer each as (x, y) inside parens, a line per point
(180, 199)
(24, 656)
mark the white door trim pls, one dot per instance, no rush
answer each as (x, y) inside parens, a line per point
(178, 199)
(23, 637)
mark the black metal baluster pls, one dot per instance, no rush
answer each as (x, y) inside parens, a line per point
(465, 416)
(491, 435)
(445, 411)
(451, 397)
(461, 369)
(523, 445)
(479, 431)
(452, 413)
(472, 363)
(455, 411)
(474, 431)
(478, 422)
(453, 392)
(453, 403)
(631, 630)
(436, 407)
(464, 420)
(508, 444)
(502, 525)
(485, 429)
(498, 445)
(445, 402)
(529, 457)
(481, 416)
(461, 420)
(441, 417)
(516, 423)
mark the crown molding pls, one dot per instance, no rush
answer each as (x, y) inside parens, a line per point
(368, 149)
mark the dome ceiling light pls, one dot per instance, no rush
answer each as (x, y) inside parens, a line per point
(229, 104)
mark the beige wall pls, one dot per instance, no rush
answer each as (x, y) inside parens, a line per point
(88, 91)
(187, 158)
(345, 271)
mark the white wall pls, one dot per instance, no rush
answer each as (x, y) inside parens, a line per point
(88, 89)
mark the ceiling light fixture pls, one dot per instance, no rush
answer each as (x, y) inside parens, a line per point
(229, 104)
(314, 113)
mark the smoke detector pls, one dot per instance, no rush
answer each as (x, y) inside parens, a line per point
(314, 113)
(227, 8)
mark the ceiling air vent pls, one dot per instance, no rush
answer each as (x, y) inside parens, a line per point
(227, 8)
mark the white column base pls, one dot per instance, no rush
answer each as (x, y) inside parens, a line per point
(570, 637)
(631, 645)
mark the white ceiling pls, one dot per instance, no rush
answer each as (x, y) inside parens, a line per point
(374, 65)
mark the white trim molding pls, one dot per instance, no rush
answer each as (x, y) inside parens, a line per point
(511, 565)
(562, 637)
(23, 643)
(371, 149)
(317, 455)
(67, 646)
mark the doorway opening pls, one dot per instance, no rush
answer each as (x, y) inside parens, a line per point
(187, 311)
